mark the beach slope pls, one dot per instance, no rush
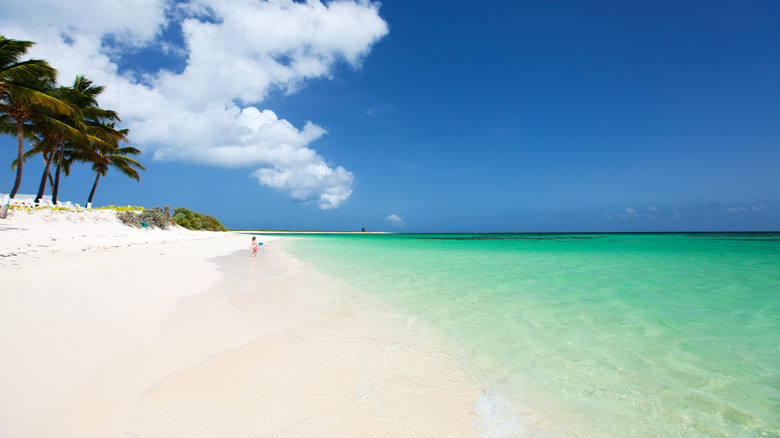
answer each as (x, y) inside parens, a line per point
(113, 331)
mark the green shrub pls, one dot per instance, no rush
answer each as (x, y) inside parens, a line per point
(186, 218)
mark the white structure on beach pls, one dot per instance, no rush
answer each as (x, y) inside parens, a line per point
(29, 201)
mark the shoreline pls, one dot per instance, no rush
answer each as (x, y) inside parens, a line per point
(293, 233)
(119, 331)
(324, 360)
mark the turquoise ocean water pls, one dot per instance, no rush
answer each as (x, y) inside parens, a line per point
(590, 335)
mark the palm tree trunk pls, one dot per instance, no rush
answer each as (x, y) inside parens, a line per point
(20, 159)
(46, 173)
(51, 180)
(55, 191)
(94, 187)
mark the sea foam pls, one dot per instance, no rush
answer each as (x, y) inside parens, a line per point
(496, 419)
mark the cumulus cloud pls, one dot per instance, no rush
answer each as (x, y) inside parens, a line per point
(312, 182)
(232, 54)
(395, 220)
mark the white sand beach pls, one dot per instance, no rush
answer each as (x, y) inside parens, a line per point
(111, 331)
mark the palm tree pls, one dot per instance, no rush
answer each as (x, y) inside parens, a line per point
(46, 145)
(87, 133)
(18, 114)
(117, 157)
(48, 131)
(90, 120)
(22, 92)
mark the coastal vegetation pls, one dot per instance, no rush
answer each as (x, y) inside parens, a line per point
(161, 218)
(64, 125)
(196, 221)
(150, 217)
(121, 208)
(140, 217)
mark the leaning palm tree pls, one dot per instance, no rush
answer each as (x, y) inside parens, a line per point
(47, 131)
(45, 147)
(19, 112)
(22, 92)
(89, 119)
(116, 156)
(120, 160)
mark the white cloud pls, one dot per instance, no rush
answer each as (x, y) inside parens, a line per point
(311, 182)
(395, 220)
(134, 21)
(234, 53)
(757, 215)
(630, 212)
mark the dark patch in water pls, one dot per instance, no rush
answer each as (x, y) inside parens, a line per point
(753, 240)
(509, 238)
(742, 237)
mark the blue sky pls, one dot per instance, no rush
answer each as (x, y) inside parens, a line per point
(433, 116)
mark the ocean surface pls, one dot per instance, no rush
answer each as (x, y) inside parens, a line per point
(614, 335)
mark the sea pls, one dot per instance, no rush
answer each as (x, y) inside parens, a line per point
(613, 335)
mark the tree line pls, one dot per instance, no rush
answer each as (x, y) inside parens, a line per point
(63, 125)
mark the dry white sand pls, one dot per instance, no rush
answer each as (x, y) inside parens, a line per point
(111, 331)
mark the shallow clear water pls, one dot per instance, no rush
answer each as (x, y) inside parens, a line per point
(591, 335)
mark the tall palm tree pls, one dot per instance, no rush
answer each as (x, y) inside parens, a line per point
(48, 130)
(20, 113)
(116, 157)
(23, 87)
(65, 138)
(89, 119)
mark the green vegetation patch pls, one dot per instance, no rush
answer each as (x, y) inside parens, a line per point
(162, 218)
(186, 218)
